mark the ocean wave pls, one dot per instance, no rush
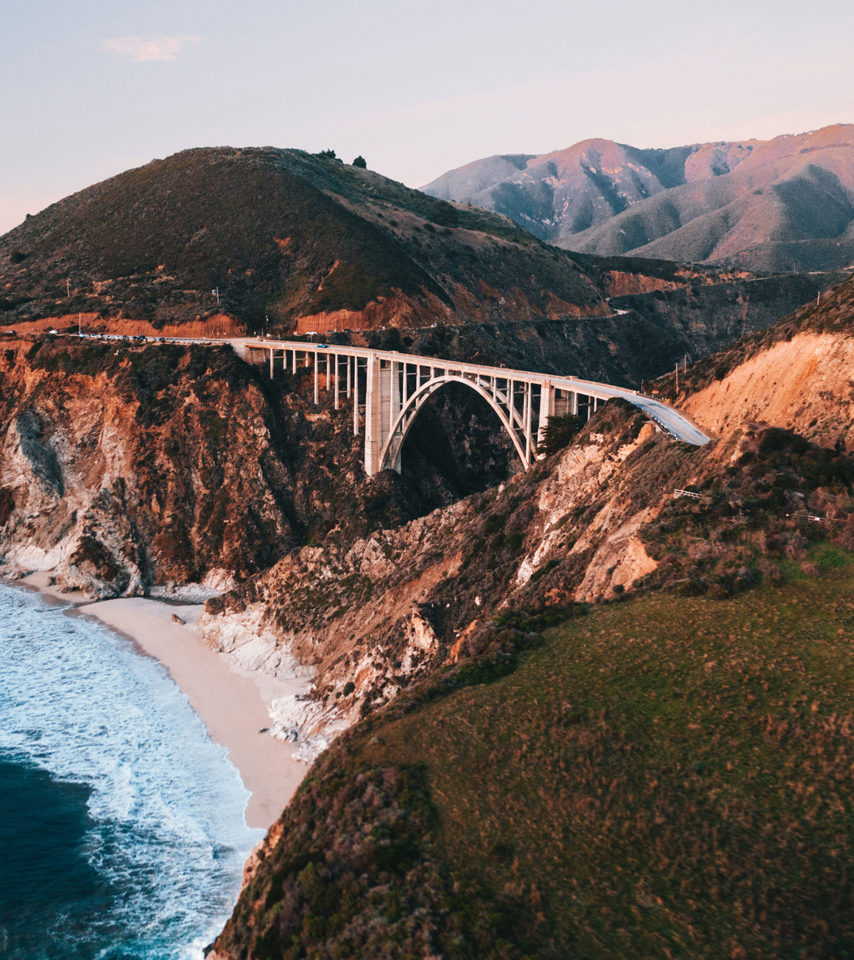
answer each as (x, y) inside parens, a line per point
(166, 808)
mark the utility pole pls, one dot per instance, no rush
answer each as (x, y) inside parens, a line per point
(79, 325)
(67, 288)
(677, 376)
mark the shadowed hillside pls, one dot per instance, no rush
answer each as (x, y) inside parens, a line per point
(307, 241)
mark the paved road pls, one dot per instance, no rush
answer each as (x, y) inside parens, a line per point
(667, 417)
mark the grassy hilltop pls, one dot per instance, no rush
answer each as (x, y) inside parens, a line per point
(280, 233)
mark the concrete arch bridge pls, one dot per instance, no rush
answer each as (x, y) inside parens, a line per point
(388, 389)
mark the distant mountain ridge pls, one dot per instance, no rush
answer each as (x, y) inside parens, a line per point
(781, 204)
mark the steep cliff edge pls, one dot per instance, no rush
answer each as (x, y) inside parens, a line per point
(130, 469)
(647, 778)
(124, 470)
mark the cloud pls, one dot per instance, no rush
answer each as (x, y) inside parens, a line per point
(141, 50)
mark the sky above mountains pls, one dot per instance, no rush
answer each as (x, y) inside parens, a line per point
(95, 87)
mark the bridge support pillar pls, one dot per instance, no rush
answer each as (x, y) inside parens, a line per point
(393, 406)
(548, 408)
(563, 404)
(336, 363)
(356, 396)
(373, 418)
(382, 405)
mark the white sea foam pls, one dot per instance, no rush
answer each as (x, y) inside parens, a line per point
(167, 807)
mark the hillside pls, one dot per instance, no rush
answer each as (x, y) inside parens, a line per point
(797, 374)
(375, 614)
(664, 773)
(305, 240)
(785, 204)
(660, 777)
(600, 520)
(292, 243)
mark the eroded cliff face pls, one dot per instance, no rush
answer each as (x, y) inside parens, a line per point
(797, 374)
(123, 470)
(605, 517)
(805, 384)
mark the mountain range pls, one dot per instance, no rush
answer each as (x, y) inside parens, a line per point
(785, 204)
(225, 241)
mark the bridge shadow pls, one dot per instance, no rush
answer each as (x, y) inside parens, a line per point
(455, 447)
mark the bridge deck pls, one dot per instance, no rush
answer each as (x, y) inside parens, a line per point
(675, 423)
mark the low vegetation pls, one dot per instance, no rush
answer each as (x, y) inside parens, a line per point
(663, 777)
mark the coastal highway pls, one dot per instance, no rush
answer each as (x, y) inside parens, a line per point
(667, 417)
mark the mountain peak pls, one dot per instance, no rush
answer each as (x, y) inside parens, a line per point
(780, 204)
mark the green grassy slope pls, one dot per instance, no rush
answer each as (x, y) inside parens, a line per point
(664, 777)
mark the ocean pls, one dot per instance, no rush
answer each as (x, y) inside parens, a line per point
(122, 830)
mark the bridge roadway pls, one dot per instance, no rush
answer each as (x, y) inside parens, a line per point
(393, 386)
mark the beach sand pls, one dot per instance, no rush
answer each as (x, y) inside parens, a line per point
(231, 703)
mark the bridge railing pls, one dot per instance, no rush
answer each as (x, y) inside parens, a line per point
(394, 386)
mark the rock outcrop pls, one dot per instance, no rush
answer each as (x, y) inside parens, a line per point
(608, 516)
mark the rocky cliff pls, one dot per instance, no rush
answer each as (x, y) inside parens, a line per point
(128, 469)
(604, 518)
(493, 757)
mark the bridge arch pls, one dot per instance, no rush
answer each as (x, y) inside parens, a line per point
(402, 424)
(523, 400)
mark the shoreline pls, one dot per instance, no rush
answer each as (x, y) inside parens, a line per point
(232, 704)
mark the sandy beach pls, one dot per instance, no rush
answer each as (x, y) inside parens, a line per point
(233, 704)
